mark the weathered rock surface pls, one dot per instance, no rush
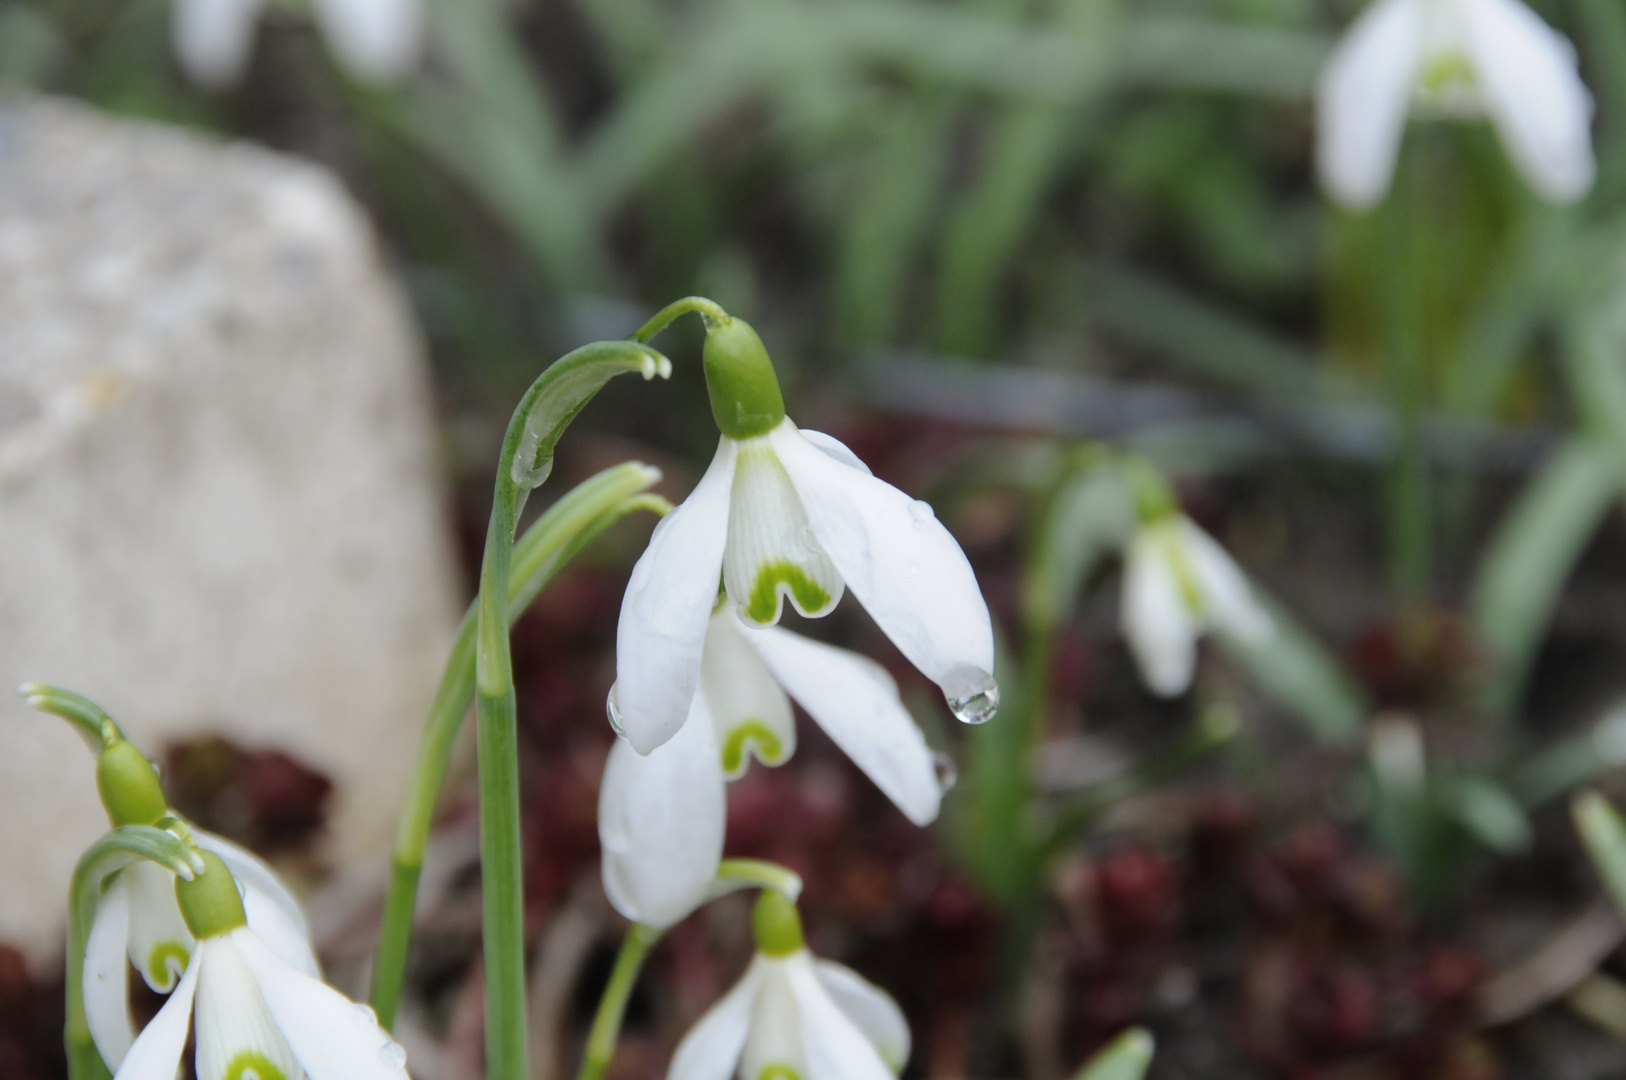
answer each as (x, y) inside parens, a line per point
(218, 501)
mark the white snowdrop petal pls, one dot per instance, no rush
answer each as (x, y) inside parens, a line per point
(1528, 79)
(900, 562)
(1228, 600)
(837, 449)
(661, 820)
(713, 1046)
(156, 1054)
(376, 40)
(213, 38)
(1156, 619)
(774, 1044)
(1362, 100)
(160, 943)
(332, 1037)
(856, 702)
(751, 713)
(836, 1048)
(772, 555)
(253, 873)
(870, 1008)
(668, 602)
(236, 1035)
(107, 976)
(271, 922)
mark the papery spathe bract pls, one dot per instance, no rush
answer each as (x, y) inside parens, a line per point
(1178, 585)
(375, 40)
(786, 514)
(1459, 58)
(662, 816)
(138, 922)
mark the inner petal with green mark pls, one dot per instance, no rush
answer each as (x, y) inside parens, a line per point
(167, 963)
(748, 707)
(252, 1065)
(777, 1071)
(752, 736)
(771, 553)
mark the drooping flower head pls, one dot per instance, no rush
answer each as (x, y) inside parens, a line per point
(375, 40)
(791, 1017)
(256, 1015)
(662, 816)
(138, 920)
(1492, 58)
(1178, 585)
(789, 514)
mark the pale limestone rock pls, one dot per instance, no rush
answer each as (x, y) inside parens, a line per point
(218, 501)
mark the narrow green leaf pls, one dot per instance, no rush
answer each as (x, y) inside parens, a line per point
(1528, 561)
(1125, 1058)
(1603, 834)
(1488, 811)
(1295, 669)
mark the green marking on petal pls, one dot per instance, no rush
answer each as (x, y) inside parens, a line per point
(763, 606)
(770, 749)
(778, 1071)
(167, 962)
(252, 1065)
(1446, 71)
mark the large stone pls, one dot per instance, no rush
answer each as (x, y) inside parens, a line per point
(218, 500)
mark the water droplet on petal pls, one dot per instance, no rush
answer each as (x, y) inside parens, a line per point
(977, 703)
(921, 511)
(613, 711)
(393, 1054)
(947, 774)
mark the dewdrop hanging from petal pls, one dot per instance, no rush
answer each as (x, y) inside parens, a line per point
(792, 1017)
(255, 1013)
(784, 514)
(662, 816)
(1455, 58)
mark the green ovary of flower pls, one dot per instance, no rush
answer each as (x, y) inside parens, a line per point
(764, 602)
(168, 961)
(252, 1064)
(769, 747)
(778, 1072)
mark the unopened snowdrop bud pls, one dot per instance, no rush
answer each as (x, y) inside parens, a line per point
(792, 1017)
(128, 785)
(785, 514)
(745, 397)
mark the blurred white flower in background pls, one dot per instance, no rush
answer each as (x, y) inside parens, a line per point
(1179, 584)
(1453, 58)
(375, 40)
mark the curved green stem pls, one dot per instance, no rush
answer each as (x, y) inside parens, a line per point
(568, 526)
(89, 718)
(113, 852)
(612, 1007)
(547, 408)
(699, 305)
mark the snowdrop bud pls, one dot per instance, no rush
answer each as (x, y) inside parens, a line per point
(776, 925)
(129, 785)
(210, 902)
(745, 398)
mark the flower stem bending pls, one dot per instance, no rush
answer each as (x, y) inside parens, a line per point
(547, 408)
(612, 1007)
(568, 526)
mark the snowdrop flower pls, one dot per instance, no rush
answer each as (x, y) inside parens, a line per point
(790, 514)
(375, 40)
(792, 1017)
(1178, 584)
(662, 816)
(1454, 58)
(138, 917)
(256, 1014)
